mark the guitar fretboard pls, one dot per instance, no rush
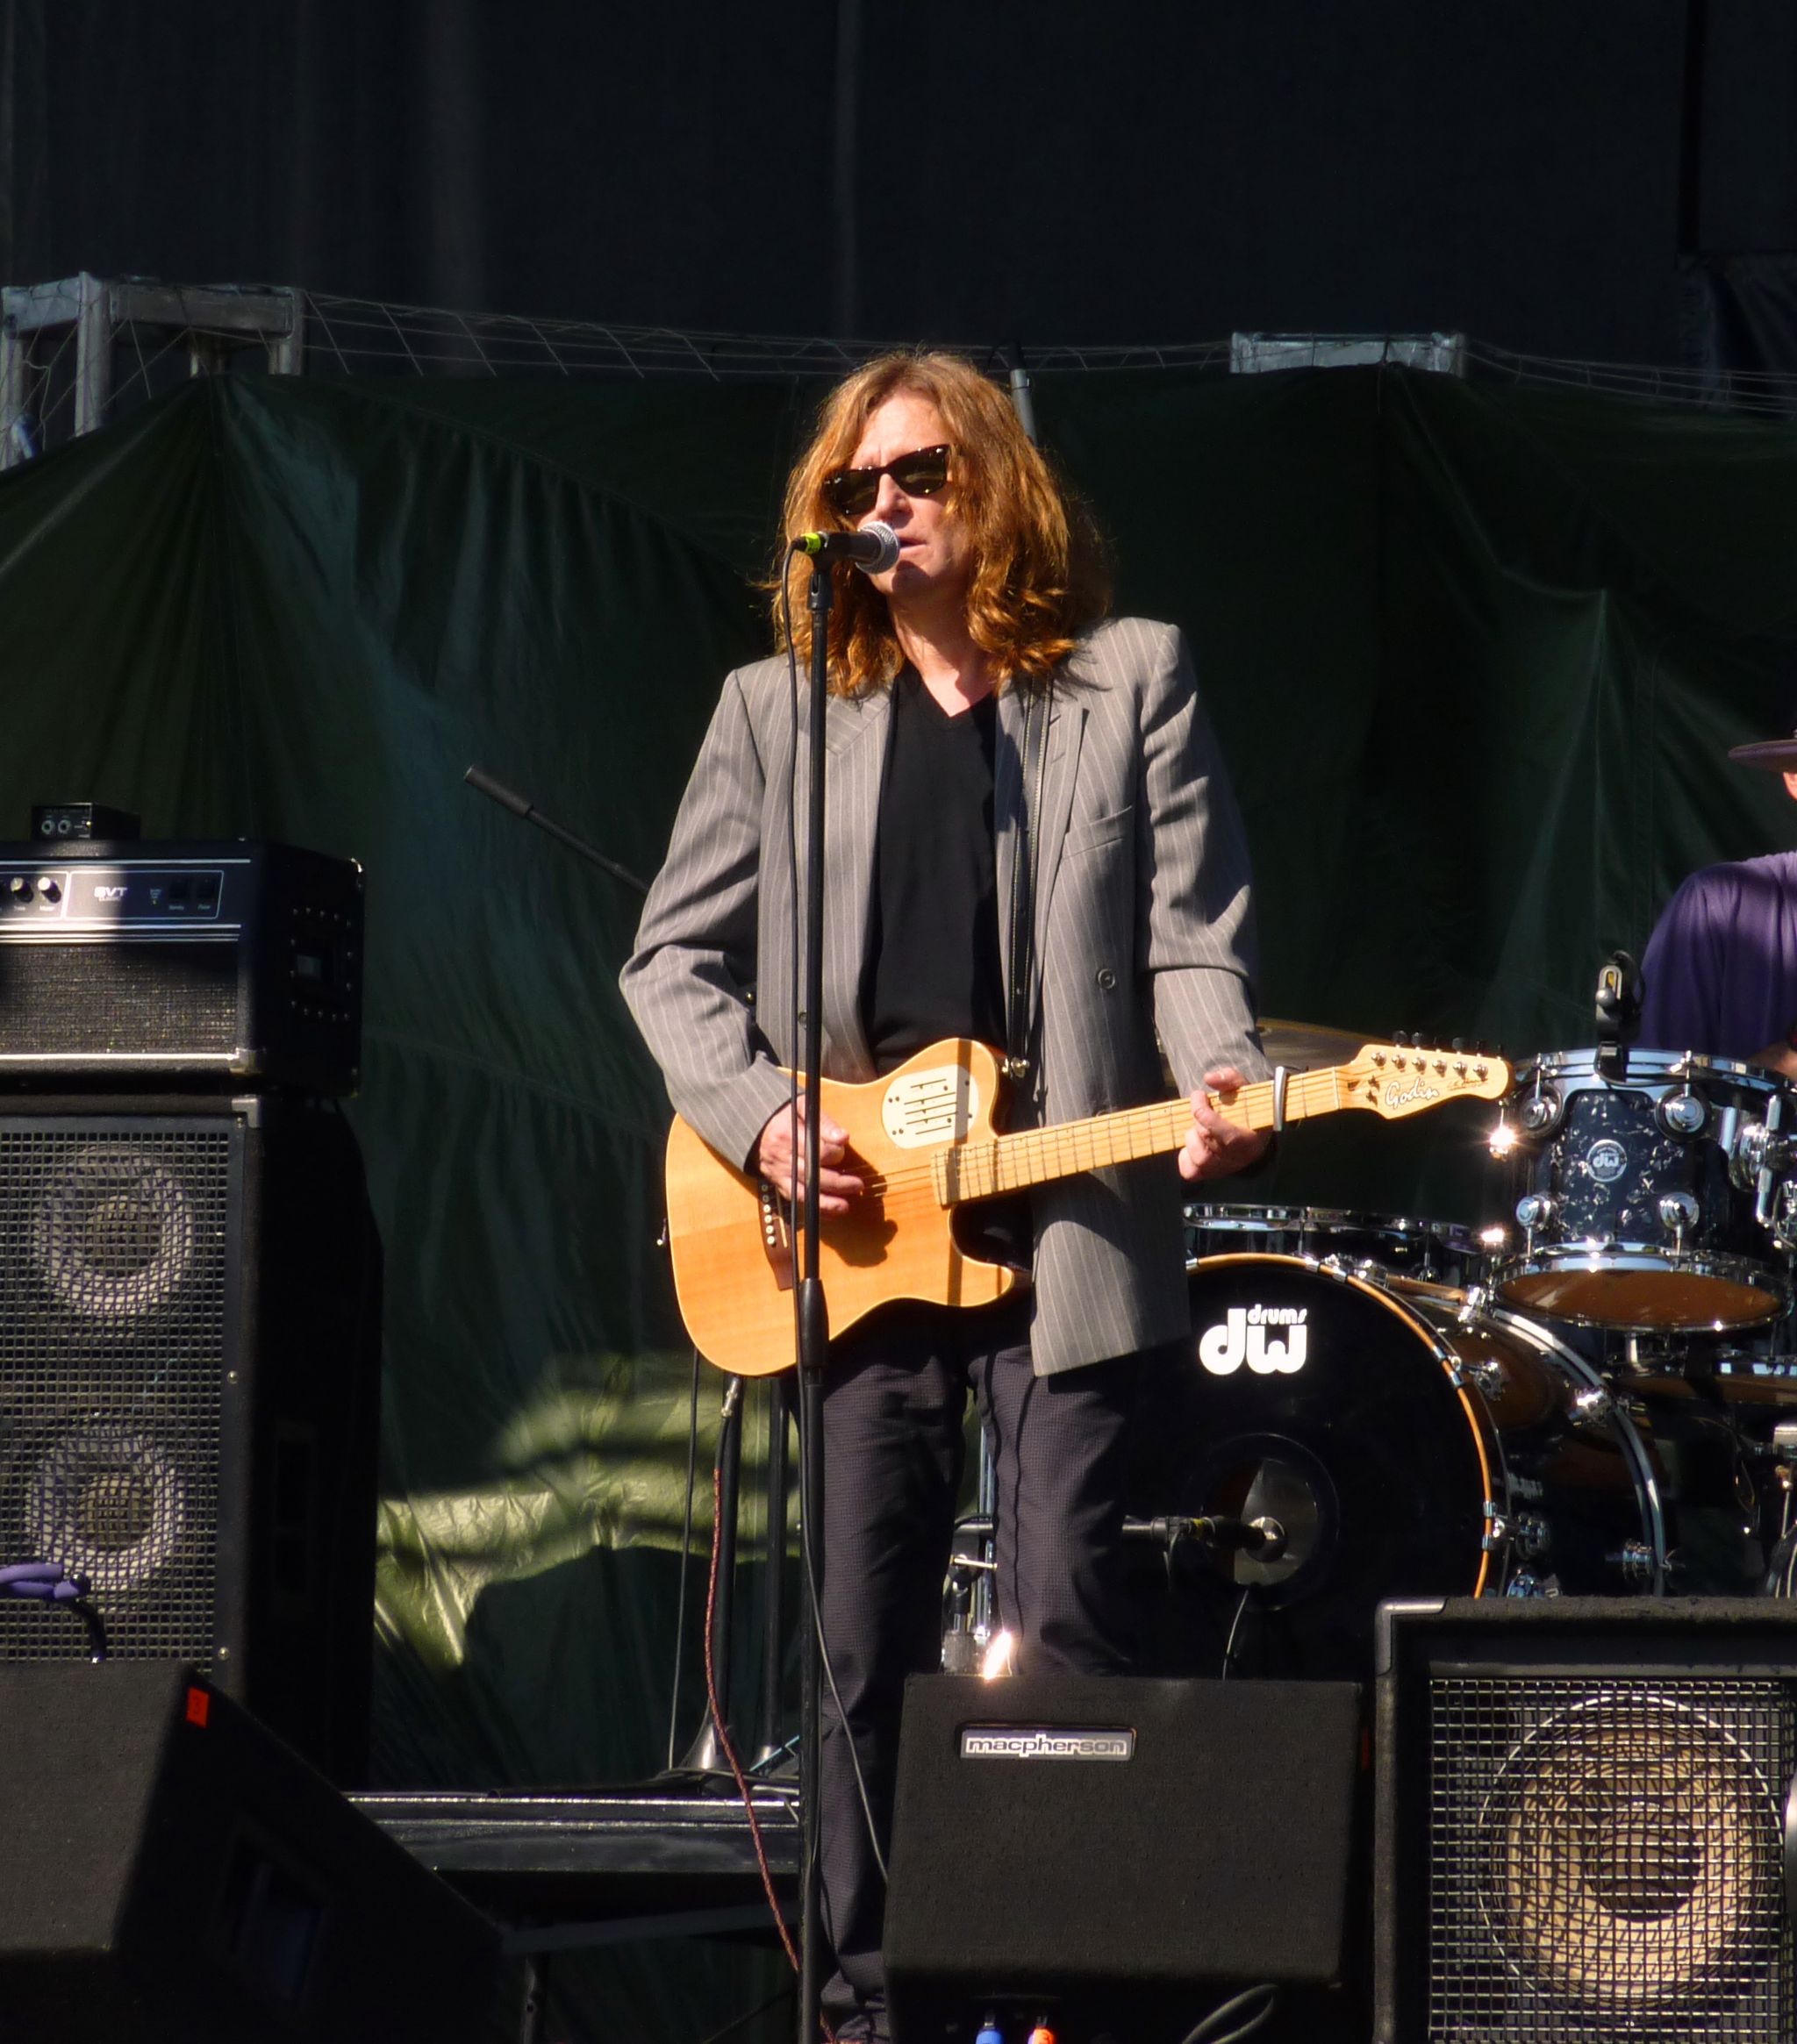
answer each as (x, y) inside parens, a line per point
(1033, 1156)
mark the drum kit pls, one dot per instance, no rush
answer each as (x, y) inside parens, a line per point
(1597, 1396)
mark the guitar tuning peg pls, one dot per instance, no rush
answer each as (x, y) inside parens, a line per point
(1400, 1039)
(1459, 1046)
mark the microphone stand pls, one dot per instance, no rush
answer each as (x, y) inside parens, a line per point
(813, 1336)
(523, 808)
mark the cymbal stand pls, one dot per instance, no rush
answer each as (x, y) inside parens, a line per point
(707, 1755)
(773, 1747)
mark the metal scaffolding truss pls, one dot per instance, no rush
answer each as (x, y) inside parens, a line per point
(74, 353)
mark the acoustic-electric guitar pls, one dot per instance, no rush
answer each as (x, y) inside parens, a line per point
(924, 1140)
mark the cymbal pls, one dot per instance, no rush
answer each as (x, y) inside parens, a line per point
(1302, 1045)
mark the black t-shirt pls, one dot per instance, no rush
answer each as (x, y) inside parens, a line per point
(932, 966)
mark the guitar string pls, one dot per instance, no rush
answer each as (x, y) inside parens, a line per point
(1063, 1145)
(1066, 1148)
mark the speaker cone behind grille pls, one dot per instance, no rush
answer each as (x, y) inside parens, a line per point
(1631, 1857)
(109, 1503)
(113, 1235)
(1581, 1829)
(190, 1316)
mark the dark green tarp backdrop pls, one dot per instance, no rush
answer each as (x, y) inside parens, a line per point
(1474, 654)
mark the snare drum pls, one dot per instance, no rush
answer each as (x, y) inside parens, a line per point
(1636, 1193)
(1408, 1441)
(1436, 1252)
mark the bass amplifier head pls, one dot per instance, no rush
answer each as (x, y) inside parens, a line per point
(232, 962)
(1583, 1818)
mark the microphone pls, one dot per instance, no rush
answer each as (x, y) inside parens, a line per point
(873, 549)
(1265, 1537)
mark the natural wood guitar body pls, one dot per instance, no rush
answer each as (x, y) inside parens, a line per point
(925, 1139)
(733, 1250)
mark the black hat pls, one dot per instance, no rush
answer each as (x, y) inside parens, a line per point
(1777, 753)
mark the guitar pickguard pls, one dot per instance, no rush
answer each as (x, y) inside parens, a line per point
(920, 1109)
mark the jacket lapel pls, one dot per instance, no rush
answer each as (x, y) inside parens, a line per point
(1014, 796)
(1066, 726)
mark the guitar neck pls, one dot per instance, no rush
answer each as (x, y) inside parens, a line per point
(1034, 1156)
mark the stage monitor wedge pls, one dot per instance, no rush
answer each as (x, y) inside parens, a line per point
(171, 1874)
(1123, 1852)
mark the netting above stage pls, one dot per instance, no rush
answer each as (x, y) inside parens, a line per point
(79, 351)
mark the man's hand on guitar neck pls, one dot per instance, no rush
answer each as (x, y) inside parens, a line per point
(1215, 1145)
(781, 1161)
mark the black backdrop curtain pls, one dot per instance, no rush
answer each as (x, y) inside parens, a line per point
(1004, 172)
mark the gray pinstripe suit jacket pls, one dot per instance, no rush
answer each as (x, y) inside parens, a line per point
(1143, 923)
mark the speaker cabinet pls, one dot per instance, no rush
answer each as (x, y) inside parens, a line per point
(1121, 1852)
(170, 1873)
(1582, 1819)
(189, 1354)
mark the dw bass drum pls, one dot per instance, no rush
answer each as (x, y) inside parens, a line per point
(1408, 1440)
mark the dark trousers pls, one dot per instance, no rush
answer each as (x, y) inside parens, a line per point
(894, 1402)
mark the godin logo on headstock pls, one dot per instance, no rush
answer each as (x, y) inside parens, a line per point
(1398, 1095)
(1244, 1337)
(934, 1106)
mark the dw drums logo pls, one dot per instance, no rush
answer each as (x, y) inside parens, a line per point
(1247, 1335)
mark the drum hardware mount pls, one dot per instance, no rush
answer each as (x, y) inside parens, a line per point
(1677, 1212)
(1472, 1307)
(1684, 1113)
(1784, 1447)
(1635, 1561)
(1593, 1406)
(1496, 1536)
(1487, 1378)
(1774, 1156)
(1540, 1113)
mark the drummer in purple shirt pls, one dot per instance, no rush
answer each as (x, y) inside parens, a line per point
(1720, 973)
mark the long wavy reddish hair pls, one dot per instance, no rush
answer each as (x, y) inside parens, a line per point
(1039, 575)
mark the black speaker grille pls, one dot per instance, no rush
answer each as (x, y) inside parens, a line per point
(1605, 1859)
(114, 1337)
(84, 1000)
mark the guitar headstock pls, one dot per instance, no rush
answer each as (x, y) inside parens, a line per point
(1399, 1078)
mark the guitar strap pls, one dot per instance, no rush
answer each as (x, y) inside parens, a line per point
(1019, 1003)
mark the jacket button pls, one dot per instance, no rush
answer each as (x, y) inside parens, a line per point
(1106, 979)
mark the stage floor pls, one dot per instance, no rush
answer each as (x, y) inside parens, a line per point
(565, 1867)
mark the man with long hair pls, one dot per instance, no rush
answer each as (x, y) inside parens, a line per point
(1031, 841)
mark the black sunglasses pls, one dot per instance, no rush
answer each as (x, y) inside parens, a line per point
(850, 492)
